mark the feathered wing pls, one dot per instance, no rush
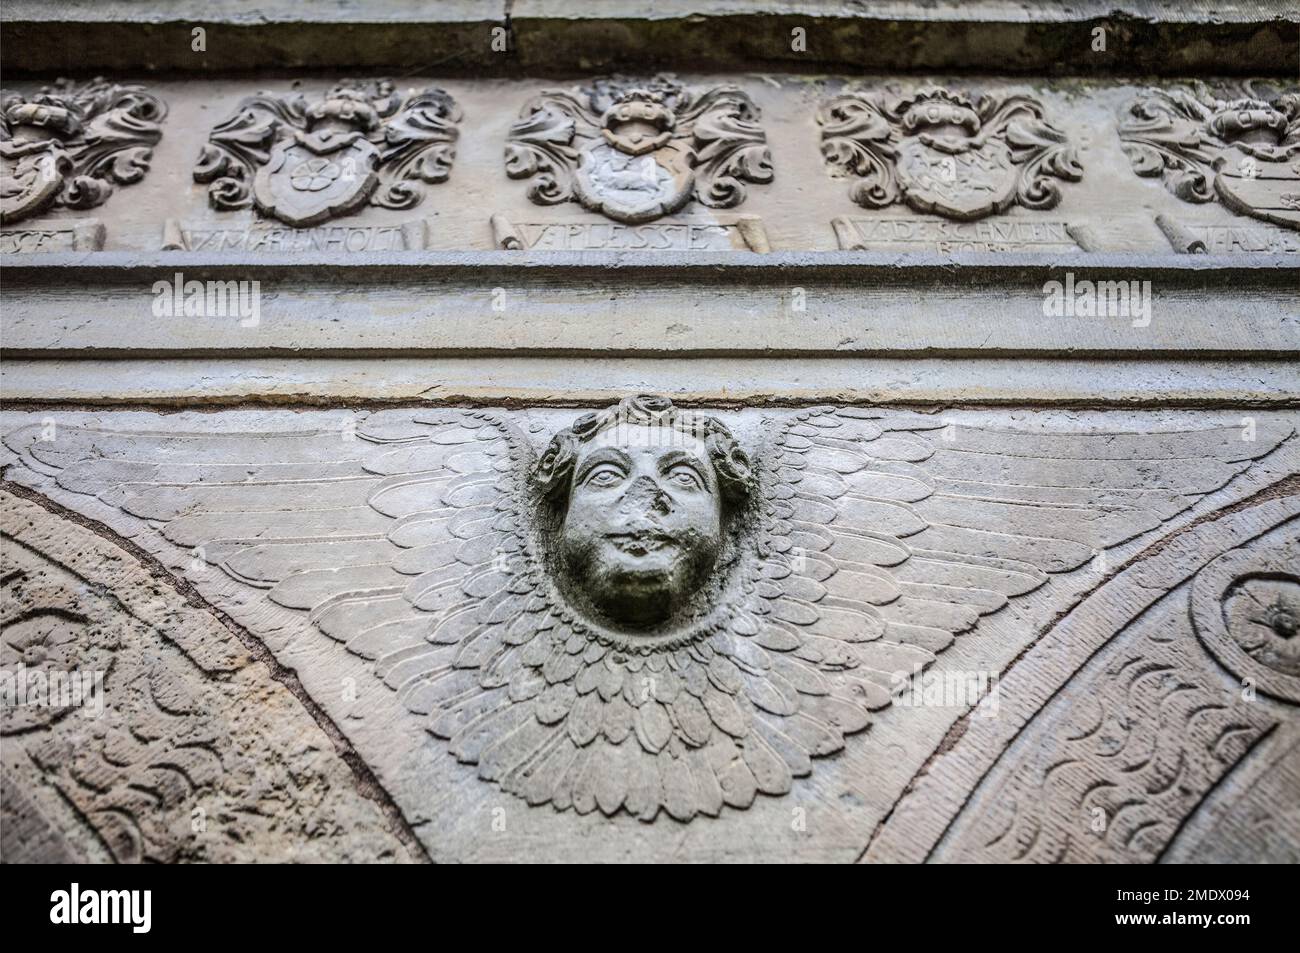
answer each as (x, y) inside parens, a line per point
(905, 531)
(379, 532)
(405, 540)
(881, 537)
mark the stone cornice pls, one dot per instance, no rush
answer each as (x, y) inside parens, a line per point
(551, 36)
(499, 326)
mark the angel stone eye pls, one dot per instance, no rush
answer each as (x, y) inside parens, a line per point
(606, 475)
(686, 477)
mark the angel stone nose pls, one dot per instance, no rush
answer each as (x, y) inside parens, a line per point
(645, 496)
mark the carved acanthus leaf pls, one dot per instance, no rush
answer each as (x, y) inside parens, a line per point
(730, 146)
(242, 142)
(1042, 151)
(419, 146)
(859, 142)
(1163, 134)
(541, 146)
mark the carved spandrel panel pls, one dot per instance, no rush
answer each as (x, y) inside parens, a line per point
(305, 162)
(687, 621)
(941, 151)
(136, 728)
(1170, 733)
(635, 151)
(1240, 146)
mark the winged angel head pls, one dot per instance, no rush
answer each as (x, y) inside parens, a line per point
(646, 616)
(641, 504)
(636, 654)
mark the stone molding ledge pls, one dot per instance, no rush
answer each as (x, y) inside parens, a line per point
(557, 36)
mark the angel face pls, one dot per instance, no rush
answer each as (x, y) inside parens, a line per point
(643, 526)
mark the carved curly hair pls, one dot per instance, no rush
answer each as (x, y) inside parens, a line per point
(554, 469)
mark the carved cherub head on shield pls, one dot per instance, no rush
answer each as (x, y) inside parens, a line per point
(641, 501)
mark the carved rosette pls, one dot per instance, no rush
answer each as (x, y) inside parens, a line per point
(1246, 611)
(69, 145)
(938, 151)
(637, 151)
(307, 162)
(1244, 149)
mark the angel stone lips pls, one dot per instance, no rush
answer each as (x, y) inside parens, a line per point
(641, 542)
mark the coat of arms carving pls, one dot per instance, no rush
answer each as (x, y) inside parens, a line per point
(307, 162)
(939, 151)
(70, 144)
(637, 151)
(1244, 150)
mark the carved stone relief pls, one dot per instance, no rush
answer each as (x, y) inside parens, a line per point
(637, 151)
(939, 151)
(70, 144)
(307, 162)
(1242, 148)
(1161, 685)
(618, 500)
(271, 238)
(1197, 238)
(651, 165)
(1245, 609)
(740, 232)
(643, 614)
(919, 234)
